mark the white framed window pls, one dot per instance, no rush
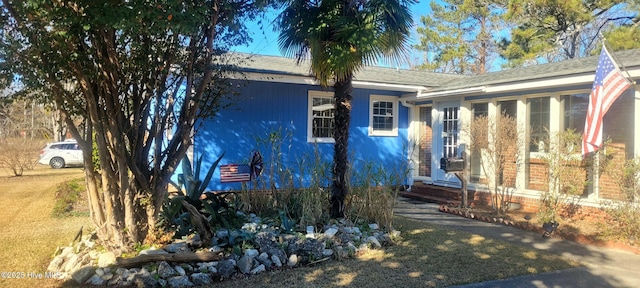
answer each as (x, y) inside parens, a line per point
(320, 124)
(538, 110)
(383, 116)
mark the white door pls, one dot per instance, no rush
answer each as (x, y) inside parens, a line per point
(446, 139)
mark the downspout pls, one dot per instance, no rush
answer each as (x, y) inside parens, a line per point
(411, 145)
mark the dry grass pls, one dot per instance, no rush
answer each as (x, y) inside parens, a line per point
(427, 257)
(29, 234)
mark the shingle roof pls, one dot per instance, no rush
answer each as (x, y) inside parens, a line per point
(287, 66)
(586, 65)
(442, 82)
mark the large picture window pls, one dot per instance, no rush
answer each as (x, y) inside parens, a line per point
(321, 117)
(575, 111)
(383, 118)
(538, 109)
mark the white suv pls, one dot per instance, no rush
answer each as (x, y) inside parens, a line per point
(61, 154)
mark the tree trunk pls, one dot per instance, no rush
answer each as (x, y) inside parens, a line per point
(339, 188)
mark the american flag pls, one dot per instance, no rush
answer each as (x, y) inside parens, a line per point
(235, 173)
(607, 87)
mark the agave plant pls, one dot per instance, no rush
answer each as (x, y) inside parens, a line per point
(182, 212)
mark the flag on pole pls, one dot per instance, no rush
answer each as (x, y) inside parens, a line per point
(607, 87)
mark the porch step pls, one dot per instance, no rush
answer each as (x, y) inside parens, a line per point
(429, 198)
(435, 194)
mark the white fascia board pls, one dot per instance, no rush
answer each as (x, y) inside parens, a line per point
(299, 79)
(538, 84)
(279, 78)
(444, 93)
(553, 82)
(385, 86)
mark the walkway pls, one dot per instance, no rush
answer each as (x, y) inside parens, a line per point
(603, 267)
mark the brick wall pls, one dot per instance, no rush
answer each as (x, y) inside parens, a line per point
(608, 188)
(537, 178)
(426, 135)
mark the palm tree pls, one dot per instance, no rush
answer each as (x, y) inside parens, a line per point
(340, 37)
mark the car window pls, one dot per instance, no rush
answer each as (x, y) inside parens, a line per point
(56, 146)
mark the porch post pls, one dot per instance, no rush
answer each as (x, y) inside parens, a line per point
(636, 125)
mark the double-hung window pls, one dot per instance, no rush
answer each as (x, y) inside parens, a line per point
(321, 124)
(383, 116)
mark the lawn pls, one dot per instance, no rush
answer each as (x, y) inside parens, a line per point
(427, 256)
(29, 234)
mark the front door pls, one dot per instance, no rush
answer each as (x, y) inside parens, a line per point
(446, 139)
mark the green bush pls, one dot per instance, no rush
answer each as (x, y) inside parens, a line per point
(625, 213)
(68, 195)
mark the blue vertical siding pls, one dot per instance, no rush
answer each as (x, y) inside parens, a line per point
(262, 108)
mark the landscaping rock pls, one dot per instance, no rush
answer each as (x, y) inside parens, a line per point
(329, 233)
(180, 270)
(200, 279)
(83, 274)
(106, 259)
(95, 280)
(261, 268)
(153, 251)
(165, 270)
(176, 247)
(293, 260)
(226, 268)
(179, 281)
(276, 260)
(245, 263)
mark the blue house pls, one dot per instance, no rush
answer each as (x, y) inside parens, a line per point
(406, 117)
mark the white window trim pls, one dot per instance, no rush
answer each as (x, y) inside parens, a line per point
(394, 131)
(316, 94)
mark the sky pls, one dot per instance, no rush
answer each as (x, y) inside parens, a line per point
(265, 41)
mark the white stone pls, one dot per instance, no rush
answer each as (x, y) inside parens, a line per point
(276, 260)
(100, 272)
(329, 233)
(374, 226)
(293, 260)
(180, 270)
(374, 241)
(258, 269)
(215, 249)
(327, 252)
(153, 251)
(70, 264)
(251, 253)
(310, 229)
(106, 259)
(56, 264)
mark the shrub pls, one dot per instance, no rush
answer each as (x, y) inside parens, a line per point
(19, 154)
(625, 213)
(69, 195)
(567, 175)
